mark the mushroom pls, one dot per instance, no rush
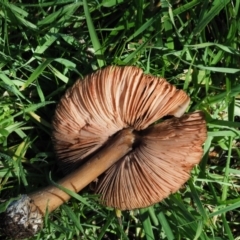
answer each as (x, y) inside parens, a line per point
(104, 127)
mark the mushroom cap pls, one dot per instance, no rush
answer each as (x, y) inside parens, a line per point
(114, 98)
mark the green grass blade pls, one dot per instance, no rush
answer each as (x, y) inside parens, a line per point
(217, 6)
(165, 225)
(99, 51)
(147, 226)
(223, 209)
(73, 217)
(39, 70)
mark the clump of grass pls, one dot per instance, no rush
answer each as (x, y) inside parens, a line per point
(46, 46)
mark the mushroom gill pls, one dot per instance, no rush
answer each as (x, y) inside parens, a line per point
(115, 98)
(158, 166)
(105, 102)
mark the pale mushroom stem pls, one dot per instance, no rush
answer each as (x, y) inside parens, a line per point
(24, 218)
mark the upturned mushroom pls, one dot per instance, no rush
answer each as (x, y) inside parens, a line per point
(104, 126)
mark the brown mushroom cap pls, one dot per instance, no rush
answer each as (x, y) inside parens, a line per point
(115, 98)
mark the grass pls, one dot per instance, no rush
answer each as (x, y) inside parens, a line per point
(46, 45)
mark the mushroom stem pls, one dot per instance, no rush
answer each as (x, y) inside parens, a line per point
(24, 218)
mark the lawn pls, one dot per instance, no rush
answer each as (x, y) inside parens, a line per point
(45, 46)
